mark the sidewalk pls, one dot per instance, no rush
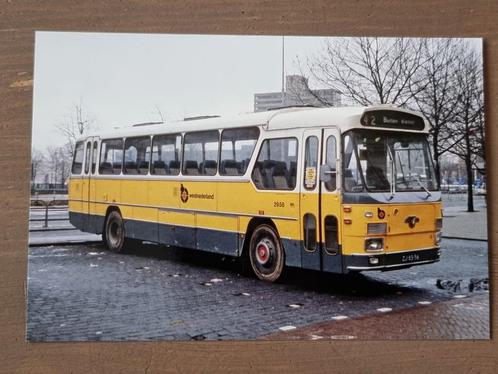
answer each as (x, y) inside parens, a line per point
(466, 318)
(463, 225)
(62, 237)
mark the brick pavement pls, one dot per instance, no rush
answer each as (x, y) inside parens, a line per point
(465, 318)
(79, 293)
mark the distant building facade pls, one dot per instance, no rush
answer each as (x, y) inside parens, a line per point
(297, 93)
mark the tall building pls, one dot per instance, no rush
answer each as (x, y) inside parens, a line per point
(297, 93)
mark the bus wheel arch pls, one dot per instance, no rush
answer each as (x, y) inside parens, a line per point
(264, 249)
(252, 225)
(113, 233)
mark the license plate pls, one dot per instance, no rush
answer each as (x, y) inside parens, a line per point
(413, 257)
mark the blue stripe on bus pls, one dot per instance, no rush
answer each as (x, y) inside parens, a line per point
(209, 240)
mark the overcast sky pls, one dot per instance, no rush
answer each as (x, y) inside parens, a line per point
(121, 79)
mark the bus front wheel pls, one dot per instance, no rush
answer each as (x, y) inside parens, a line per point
(114, 232)
(266, 253)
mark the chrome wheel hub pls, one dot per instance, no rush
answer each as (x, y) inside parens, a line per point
(264, 251)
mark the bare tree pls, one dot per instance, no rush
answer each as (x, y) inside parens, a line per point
(440, 77)
(434, 94)
(368, 70)
(58, 164)
(77, 124)
(468, 127)
(480, 144)
(37, 160)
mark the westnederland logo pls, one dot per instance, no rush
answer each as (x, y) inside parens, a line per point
(381, 214)
(183, 194)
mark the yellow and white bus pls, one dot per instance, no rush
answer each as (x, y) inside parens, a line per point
(330, 189)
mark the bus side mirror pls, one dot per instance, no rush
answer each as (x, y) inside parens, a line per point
(326, 173)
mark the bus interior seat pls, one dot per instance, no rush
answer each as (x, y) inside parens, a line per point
(130, 167)
(267, 173)
(191, 167)
(292, 174)
(159, 167)
(208, 167)
(143, 167)
(105, 168)
(174, 167)
(229, 167)
(257, 175)
(280, 176)
(116, 168)
(243, 165)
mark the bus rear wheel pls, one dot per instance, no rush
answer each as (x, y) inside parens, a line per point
(266, 253)
(114, 237)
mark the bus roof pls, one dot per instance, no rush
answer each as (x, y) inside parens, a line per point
(344, 118)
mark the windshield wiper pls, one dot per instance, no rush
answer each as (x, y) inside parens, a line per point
(417, 178)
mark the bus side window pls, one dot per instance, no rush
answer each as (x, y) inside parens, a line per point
(310, 162)
(78, 158)
(309, 232)
(331, 161)
(136, 157)
(166, 151)
(331, 242)
(111, 156)
(200, 153)
(352, 178)
(237, 146)
(275, 168)
(94, 157)
(87, 157)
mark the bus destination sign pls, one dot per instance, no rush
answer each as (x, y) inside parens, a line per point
(392, 119)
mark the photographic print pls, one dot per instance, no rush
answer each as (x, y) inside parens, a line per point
(233, 187)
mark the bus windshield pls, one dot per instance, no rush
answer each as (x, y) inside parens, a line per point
(372, 158)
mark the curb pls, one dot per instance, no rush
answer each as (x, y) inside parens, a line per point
(64, 243)
(460, 238)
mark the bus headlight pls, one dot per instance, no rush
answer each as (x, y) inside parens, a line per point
(376, 228)
(374, 244)
(438, 237)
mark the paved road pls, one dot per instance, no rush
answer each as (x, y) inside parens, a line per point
(80, 293)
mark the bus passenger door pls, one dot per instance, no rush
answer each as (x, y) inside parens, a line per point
(330, 202)
(94, 225)
(85, 183)
(310, 200)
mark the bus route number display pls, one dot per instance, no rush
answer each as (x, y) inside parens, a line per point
(392, 119)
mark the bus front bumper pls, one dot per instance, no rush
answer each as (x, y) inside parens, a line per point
(391, 261)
